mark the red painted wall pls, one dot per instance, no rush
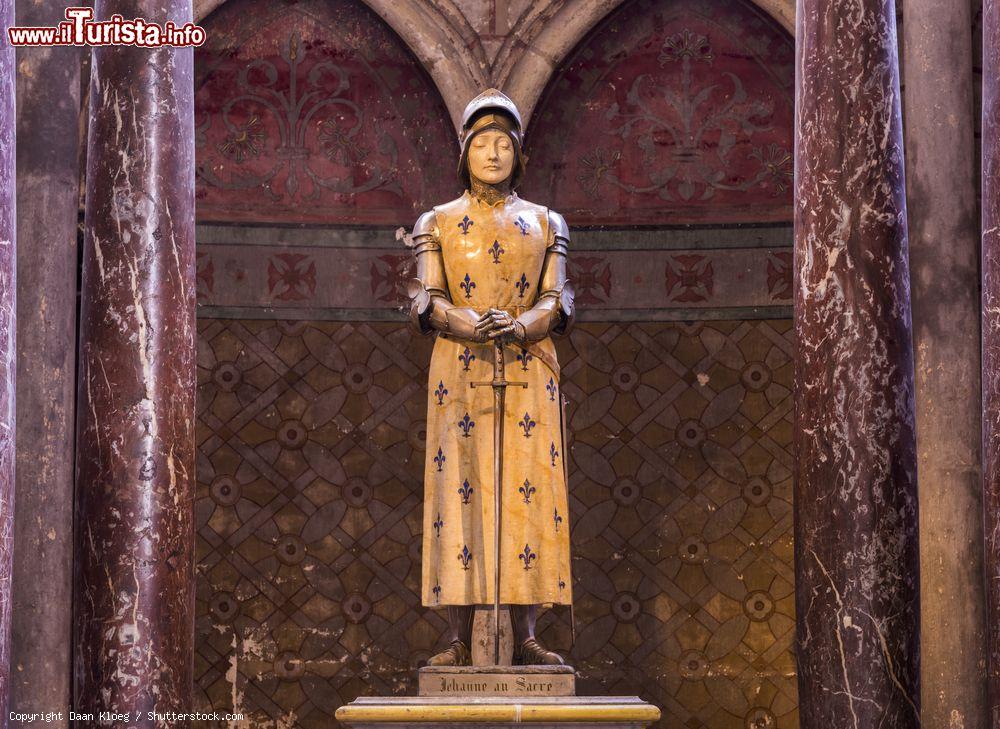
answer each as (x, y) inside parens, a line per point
(669, 113)
(316, 112)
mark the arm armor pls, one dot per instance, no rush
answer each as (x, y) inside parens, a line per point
(553, 312)
(430, 304)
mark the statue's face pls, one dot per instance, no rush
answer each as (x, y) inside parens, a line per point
(491, 156)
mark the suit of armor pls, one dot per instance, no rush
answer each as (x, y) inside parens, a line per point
(493, 266)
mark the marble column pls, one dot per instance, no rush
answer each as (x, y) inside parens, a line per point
(134, 582)
(48, 199)
(856, 556)
(944, 277)
(8, 303)
(991, 343)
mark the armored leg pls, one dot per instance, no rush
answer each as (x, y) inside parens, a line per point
(459, 635)
(527, 650)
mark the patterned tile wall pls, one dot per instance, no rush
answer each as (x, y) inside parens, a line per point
(311, 438)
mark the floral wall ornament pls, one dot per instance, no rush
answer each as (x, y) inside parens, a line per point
(296, 97)
(389, 274)
(776, 163)
(591, 277)
(689, 278)
(779, 275)
(291, 276)
(670, 111)
(313, 111)
(244, 141)
(205, 275)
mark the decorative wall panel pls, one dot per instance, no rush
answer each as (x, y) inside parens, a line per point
(668, 113)
(363, 279)
(315, 111)
(311, 444)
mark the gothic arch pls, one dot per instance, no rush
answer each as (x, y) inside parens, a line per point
(542, 38)
(443, 40)
(438, 34)
(676, 111)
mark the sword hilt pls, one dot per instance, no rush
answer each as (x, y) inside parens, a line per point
(499, 380)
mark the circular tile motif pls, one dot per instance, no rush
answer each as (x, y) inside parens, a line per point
(760, 718)
(756, 376)
(223, 606)
(416, 549)
(625, 377)
(290, 549)
(292, 434)
(626, 492)
(356, 492)
(690, 433)
(358, 378)
(693, 551)
(758, 606)
(416, 436)
(225, 491)
(626, 607)
(356, 607)
(288, 666)
(227, 376)
(291, 328)
(693, 666)
(756, 491)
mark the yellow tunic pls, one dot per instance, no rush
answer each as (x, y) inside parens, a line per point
(493, 256)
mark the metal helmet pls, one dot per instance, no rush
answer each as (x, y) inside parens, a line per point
(492, 109)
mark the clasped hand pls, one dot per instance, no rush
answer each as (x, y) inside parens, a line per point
(498, 324)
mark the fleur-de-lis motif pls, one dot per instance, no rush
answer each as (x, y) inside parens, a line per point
(524, 357)
(522, 224)
(437, 592)
(527, 423)
(526, 491)
(438, 523)
(467, 284)
(496, 250)
(521, 285)
(466, 223)
(466, 424)
(440, 392)
(558, 519)
(465, 556)
(466, 491)
(439, 459)
(466, 357)
(553, 453)
(551, 387)
(527, 556)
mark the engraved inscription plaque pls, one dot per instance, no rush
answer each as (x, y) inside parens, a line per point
(520, 681)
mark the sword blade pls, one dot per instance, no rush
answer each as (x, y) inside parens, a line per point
(498, 402)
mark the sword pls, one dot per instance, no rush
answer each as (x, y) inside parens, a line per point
(499, 384)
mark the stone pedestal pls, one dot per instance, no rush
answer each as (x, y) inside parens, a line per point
(428, 712)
